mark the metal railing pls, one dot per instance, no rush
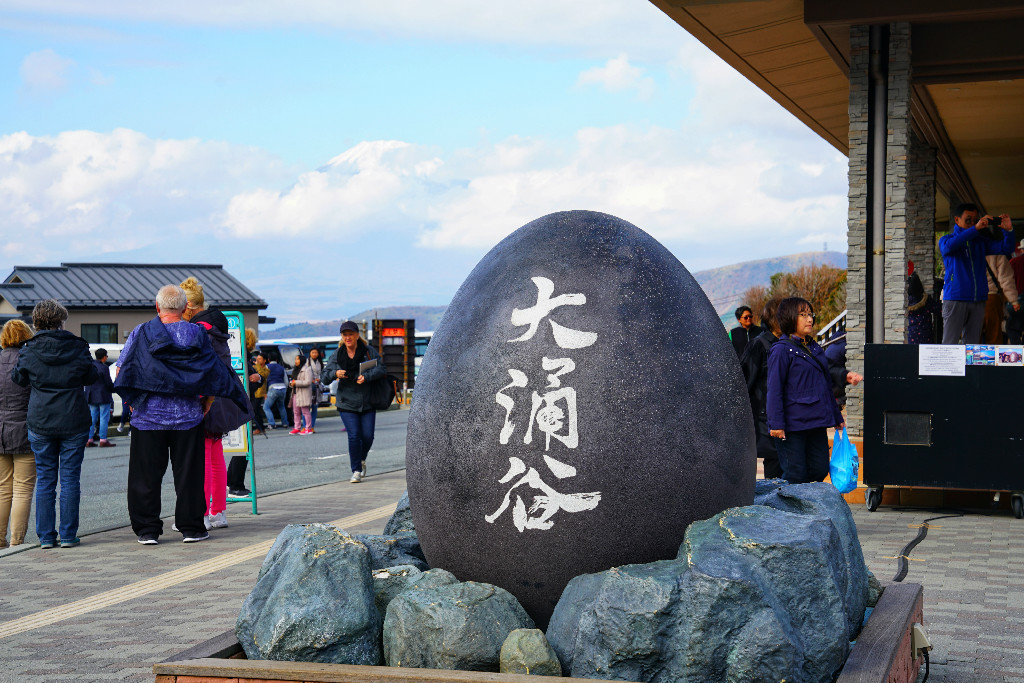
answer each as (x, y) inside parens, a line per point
(834, 331)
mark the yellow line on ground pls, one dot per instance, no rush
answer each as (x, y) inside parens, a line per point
(165, 580)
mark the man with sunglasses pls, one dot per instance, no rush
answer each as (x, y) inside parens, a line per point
(965, 290)
(745, 331)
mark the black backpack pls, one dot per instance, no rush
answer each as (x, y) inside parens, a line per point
(382, 392)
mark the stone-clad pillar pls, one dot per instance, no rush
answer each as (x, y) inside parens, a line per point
(856, 237)
(921, 210)
(909, 202)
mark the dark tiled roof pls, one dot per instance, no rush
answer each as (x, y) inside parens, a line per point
(120, 285)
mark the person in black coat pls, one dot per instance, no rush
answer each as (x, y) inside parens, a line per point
(754, 363)
(100, 397)
(56, 365)
(742, 334)
(353, 397)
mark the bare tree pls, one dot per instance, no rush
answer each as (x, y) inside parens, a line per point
(822, 285)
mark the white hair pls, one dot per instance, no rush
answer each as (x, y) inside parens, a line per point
(171, 298)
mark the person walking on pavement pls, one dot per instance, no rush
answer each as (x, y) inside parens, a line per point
(316, 367)
(277, 387)
(56, 364)
(170, 375)
(353, 399)
(17, 463)
(100, 399)
(301, 384)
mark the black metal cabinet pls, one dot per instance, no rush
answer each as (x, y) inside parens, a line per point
(942, 432)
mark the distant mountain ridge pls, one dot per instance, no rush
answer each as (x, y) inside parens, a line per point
(723, 286)
(426, 317)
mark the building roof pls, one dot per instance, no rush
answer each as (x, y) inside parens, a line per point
(966, 103)
(120, 285)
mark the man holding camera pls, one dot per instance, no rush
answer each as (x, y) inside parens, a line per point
(965, 291)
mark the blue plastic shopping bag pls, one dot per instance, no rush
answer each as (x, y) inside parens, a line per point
(844, 465)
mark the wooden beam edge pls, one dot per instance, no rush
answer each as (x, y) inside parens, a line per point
(878, 644)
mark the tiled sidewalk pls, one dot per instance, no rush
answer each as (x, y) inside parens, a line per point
(121, 641)
(970, 566)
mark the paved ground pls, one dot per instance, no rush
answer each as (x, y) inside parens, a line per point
(111, 608)
(972, 570)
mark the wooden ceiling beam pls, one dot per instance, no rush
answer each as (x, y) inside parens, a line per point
(832, 12)
(928, 125)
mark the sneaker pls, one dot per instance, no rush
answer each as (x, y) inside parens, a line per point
(356, 477)
(217, 521)
(295, 431)
(148, 539)
(90, 444)
(363, 472)
(174, 527)
(122, 428)
(239, 493)
(195, 538)
(47, 545)
(206, 522)
(106, 444)
(71, 543)
(303, 432)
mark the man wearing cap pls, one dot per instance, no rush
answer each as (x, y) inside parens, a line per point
(965, 290)
(353, 397)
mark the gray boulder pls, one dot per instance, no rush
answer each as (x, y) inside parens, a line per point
(527, 651)
(313, 601)
(764, 487)
(457, 626)
(798, 562)
(824, 500)
(393, 550)
(668, 623)
(875, 589)
(401, 519)
(390, 582)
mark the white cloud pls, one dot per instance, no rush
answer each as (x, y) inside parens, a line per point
(618, 75)
(83, 195)
(68, 190)
(678, 185)
(638, 27)
(45, 71)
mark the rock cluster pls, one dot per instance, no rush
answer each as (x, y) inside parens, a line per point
(323, 595)
(771, 591)
(764, 592)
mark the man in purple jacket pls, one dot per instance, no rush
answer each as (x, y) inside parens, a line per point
(99, 396)
(169, 374)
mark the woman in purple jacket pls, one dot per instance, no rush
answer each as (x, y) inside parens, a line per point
(800, 405)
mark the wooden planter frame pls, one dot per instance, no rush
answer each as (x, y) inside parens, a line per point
(882, 654)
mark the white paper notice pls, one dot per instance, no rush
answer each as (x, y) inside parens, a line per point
(941, 359)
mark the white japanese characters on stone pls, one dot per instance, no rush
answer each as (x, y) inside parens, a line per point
(553, 412)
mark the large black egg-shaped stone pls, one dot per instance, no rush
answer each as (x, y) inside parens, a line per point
(578, 406)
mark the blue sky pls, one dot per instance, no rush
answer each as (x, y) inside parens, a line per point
(340, 157)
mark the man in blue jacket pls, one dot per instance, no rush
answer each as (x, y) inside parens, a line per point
(99, 396)
(965, 290)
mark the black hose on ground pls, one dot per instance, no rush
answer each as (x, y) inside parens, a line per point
(904, 562)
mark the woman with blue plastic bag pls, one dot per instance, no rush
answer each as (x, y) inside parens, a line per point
(800, 404)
